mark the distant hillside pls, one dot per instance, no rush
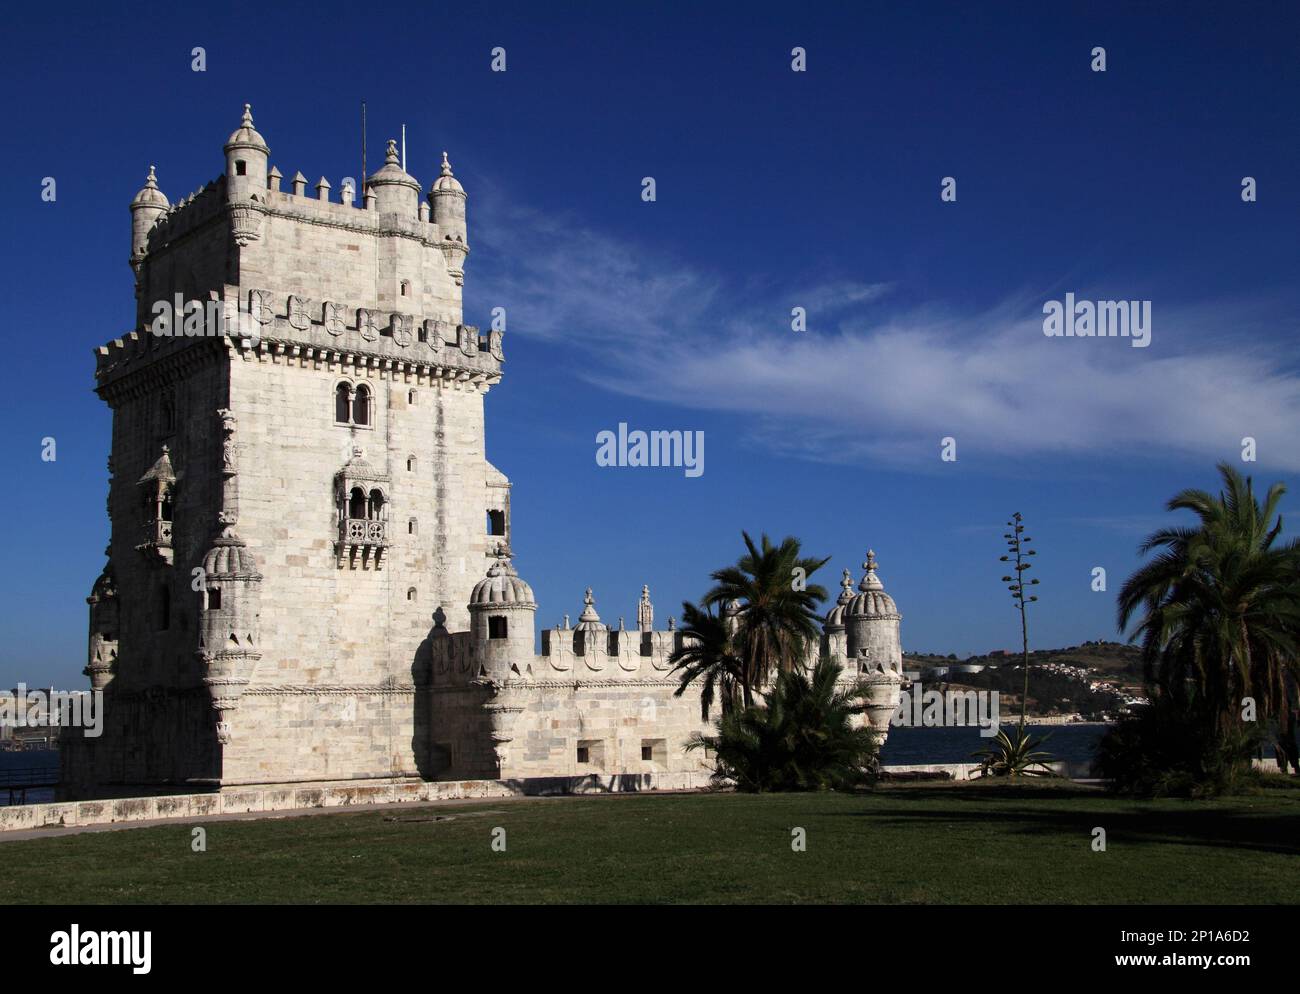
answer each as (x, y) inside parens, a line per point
(1115, 659)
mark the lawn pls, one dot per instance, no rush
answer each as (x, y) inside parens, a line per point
(951, 844)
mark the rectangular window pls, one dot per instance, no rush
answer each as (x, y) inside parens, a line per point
(654, 751)
(496, 627)
(591, 753)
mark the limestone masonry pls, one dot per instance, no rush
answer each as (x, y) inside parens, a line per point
(309, 577)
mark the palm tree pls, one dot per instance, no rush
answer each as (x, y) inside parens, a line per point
(777, 608)
(1220, 609)
(804, 737)
(706, 652)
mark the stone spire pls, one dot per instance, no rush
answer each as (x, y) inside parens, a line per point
(645, 611)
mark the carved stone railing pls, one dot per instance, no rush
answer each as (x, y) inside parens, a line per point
(158, 533)
(363, 531)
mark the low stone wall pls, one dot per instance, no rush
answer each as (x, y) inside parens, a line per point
(245, 800)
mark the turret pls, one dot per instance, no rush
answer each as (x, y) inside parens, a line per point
(872, 621)
(501, 616)
(395, 190)
(147, 207)
(246, 161)
(447, 199)
(104, 627)
(228, 624)
(875, 653)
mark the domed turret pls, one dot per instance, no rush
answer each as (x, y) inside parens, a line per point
(104, 627)
(395, 190)
(835, 617)
(501, 613)
(447, 198)
(872, 620)
(228, 624)
(147, 207)
(246, 160)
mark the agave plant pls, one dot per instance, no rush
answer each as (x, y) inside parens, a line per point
(1008, 757)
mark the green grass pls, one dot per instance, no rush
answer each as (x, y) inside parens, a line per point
(951, 844)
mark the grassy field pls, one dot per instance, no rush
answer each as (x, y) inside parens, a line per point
(952, 844)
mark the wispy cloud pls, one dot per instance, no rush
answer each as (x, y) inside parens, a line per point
(879, 377)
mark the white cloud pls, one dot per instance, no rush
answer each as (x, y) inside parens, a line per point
(863, 382)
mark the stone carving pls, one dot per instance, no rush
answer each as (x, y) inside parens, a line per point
(367, 324)
(401, 327)
(334, 318)
(299, 312)
(494, 345)
(259, 306)
(432, 334)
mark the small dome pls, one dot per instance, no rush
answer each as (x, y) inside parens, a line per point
(501, 586)
(229, 558)
(150, 195)
(589, 620)
(835, 617)
(871, 601)
(245, 136)
(446, 182)
(392, 173)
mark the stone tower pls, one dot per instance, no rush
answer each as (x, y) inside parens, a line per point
(298, 480)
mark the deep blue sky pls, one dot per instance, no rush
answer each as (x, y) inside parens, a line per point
(775, 189)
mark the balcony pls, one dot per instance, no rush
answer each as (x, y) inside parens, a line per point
(157, 540)
(362, 542)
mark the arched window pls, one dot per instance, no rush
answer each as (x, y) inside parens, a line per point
(165, 510)
(361, 406)
(410, 397)
(376, 505)
(214, 598)
(410, 593)
(406, 288)
(410, 464)
(343, 403)
(357, 503)
(412, 527)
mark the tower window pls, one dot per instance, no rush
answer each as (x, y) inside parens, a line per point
(343, 403)
(361, 406)
(410, 464)
(357, 503)
(410, 397)
(376, 505)
(496, 522)
(214, 598)
(410, 593)
(497, 627)
(240, 168)
(412, 527)
(406, 288)
(163, 611)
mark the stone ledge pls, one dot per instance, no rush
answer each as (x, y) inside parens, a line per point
(246, 800)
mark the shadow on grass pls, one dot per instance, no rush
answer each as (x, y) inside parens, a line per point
(1242, 825)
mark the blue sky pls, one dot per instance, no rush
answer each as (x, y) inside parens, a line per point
(775, 189)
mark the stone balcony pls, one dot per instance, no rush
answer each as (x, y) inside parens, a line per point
(362, 542)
